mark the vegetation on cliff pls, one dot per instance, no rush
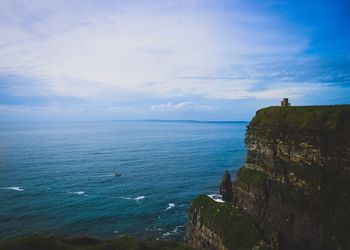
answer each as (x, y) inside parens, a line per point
(251, 176)
(238, 231)
(304, 117)
(306, 153)
(36, 242)
(294, 186)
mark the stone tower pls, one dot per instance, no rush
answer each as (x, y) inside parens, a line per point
(285, 103)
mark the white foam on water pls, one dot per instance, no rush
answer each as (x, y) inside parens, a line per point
(166, 234)
(78, 193)
(137, 199)
(173, 232)
(154, 229)
(215, 197)
(170, 206)
(219, 200)
(19, 189)
(115, 231)
(212, 195)
(124, 198)
(176, 230)
(104, 175)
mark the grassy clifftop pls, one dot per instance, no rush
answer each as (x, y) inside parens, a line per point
(327, 118)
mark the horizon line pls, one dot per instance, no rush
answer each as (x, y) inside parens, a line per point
(135, 120)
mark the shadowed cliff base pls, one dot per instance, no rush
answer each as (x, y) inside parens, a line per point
(294, 184)
(37, 242)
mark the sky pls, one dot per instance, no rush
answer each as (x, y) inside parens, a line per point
(198, 60)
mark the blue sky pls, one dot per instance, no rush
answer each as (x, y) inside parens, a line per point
(204, 60)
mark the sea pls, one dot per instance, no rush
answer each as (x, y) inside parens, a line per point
(58, 178)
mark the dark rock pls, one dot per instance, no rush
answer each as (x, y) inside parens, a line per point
(123, 242)
(295, 184)
(226, 187)
(220, 225)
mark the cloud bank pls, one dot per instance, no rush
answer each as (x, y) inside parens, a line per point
(153, 55)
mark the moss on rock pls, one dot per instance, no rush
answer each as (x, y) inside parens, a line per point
(237, 230)
(302, 117)
(37, 242)
(251, 176)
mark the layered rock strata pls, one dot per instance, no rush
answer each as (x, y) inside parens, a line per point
(295, 184)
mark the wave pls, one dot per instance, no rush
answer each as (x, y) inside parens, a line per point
(154, 229)
(78, 193)
(176, 230)
(167, 234)
(137, 199)
(215, 197)
(125, 198)
(170, 206)
(19, 189)
(173, 232)
(104, 175)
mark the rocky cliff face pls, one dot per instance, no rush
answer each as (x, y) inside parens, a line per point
(214, 225)
(295, 184)
(202, 236)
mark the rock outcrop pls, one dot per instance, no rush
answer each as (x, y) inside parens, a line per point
(226, 187)
(295, 184)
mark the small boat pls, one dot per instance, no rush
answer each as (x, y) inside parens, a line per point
(117, 174)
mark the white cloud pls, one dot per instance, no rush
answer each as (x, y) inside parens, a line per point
(92, 50)
(181, 106)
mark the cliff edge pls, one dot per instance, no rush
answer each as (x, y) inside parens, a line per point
(295, 183)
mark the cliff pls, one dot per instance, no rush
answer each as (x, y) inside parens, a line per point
(214, 225)
(295, 184)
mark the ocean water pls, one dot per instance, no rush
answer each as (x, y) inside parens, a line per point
(58, 178)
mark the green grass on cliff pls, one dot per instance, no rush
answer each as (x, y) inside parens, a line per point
(304, 117)
(238, 231)
(36, 242)
(251, 177)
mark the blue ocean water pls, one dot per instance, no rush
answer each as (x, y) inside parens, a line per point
(58, 178)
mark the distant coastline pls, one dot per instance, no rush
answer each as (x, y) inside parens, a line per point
(185, 121)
